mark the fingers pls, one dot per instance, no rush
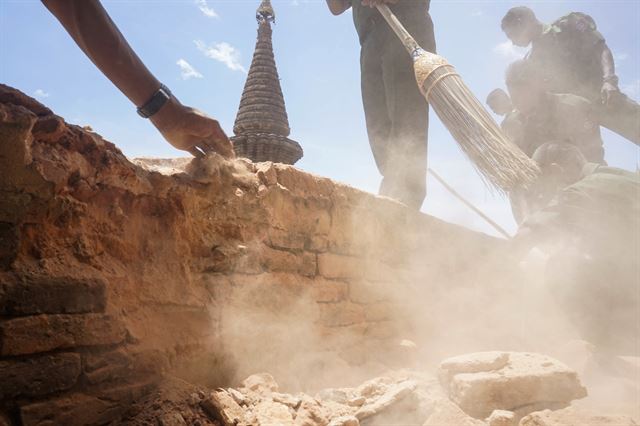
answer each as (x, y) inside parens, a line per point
(196, 152)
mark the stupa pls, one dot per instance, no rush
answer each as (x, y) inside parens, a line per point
(262, 127)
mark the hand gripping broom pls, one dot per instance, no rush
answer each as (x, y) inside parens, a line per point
(499, 161)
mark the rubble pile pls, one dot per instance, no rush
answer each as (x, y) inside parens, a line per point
(480, 389)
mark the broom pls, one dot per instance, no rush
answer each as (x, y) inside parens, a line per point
(498, 160)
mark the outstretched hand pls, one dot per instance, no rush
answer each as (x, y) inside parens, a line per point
(374, 3)
(191, 130)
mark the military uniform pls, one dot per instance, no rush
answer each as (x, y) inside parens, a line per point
(597, 276)
(563, 118)
(569, 53)
(396, 112)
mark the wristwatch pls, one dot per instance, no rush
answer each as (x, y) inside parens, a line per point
(157, 101)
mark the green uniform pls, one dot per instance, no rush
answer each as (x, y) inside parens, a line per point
(563, 118)
(569, 52)
(396, 113)
(597, 278)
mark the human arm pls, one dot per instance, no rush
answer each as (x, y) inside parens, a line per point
(609, 78)
(337, 7)
(88, 23)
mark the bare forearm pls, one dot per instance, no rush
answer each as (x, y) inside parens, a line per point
(337, 7)
(96, 34)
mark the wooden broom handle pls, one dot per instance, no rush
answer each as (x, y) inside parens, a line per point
(409, 42)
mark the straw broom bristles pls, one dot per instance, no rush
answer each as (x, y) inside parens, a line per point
(498, 160)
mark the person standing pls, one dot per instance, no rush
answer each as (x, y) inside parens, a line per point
(396, 113)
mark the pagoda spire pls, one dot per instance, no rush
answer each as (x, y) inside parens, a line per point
(262, 127)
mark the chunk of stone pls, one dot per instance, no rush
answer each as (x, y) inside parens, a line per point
(260, 383)
(345, 421)
(471, 363)
(502, 418)
(446, 413)
(573, 416)
(172, 419)
(221, 406)
(393, 395)
(336, 395)
(286, 399)
(237, 396)
(269, 413)
(526, 379)
(267, 173)
(357, 401)
(373, 387)
(310, 413)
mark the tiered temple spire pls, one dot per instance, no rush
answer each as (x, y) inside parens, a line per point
(262, 126)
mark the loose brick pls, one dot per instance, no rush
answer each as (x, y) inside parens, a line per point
(336, 266)
(44, 333)
(329, 291)
(28, 295)
(38, 376)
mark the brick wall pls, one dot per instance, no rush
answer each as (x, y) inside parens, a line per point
(111, 274)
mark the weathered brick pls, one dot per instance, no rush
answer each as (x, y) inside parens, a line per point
(28, 295)
(361, 291)
(42, 333)
(280, 260)
(309, 265)
(39, 375)
(341, 314)
(317, 243)
(271, 291)
(329, 291)
(379, 311)
(103, 367)
(279, 238)
(82, 409)
(336, 266)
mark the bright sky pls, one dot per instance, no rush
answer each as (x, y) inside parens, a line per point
(201, 49)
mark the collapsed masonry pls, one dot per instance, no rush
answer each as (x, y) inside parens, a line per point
(113, 276)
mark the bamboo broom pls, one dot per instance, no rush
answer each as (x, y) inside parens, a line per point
(499, 161)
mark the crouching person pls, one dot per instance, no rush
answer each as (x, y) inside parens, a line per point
(590, 214)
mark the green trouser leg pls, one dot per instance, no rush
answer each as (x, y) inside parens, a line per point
(622, 116)
(397, 115)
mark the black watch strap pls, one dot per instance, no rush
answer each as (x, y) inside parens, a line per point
(157, 101)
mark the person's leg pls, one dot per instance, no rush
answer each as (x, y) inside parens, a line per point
(622, 116)
(409, 115)
(374, 101)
